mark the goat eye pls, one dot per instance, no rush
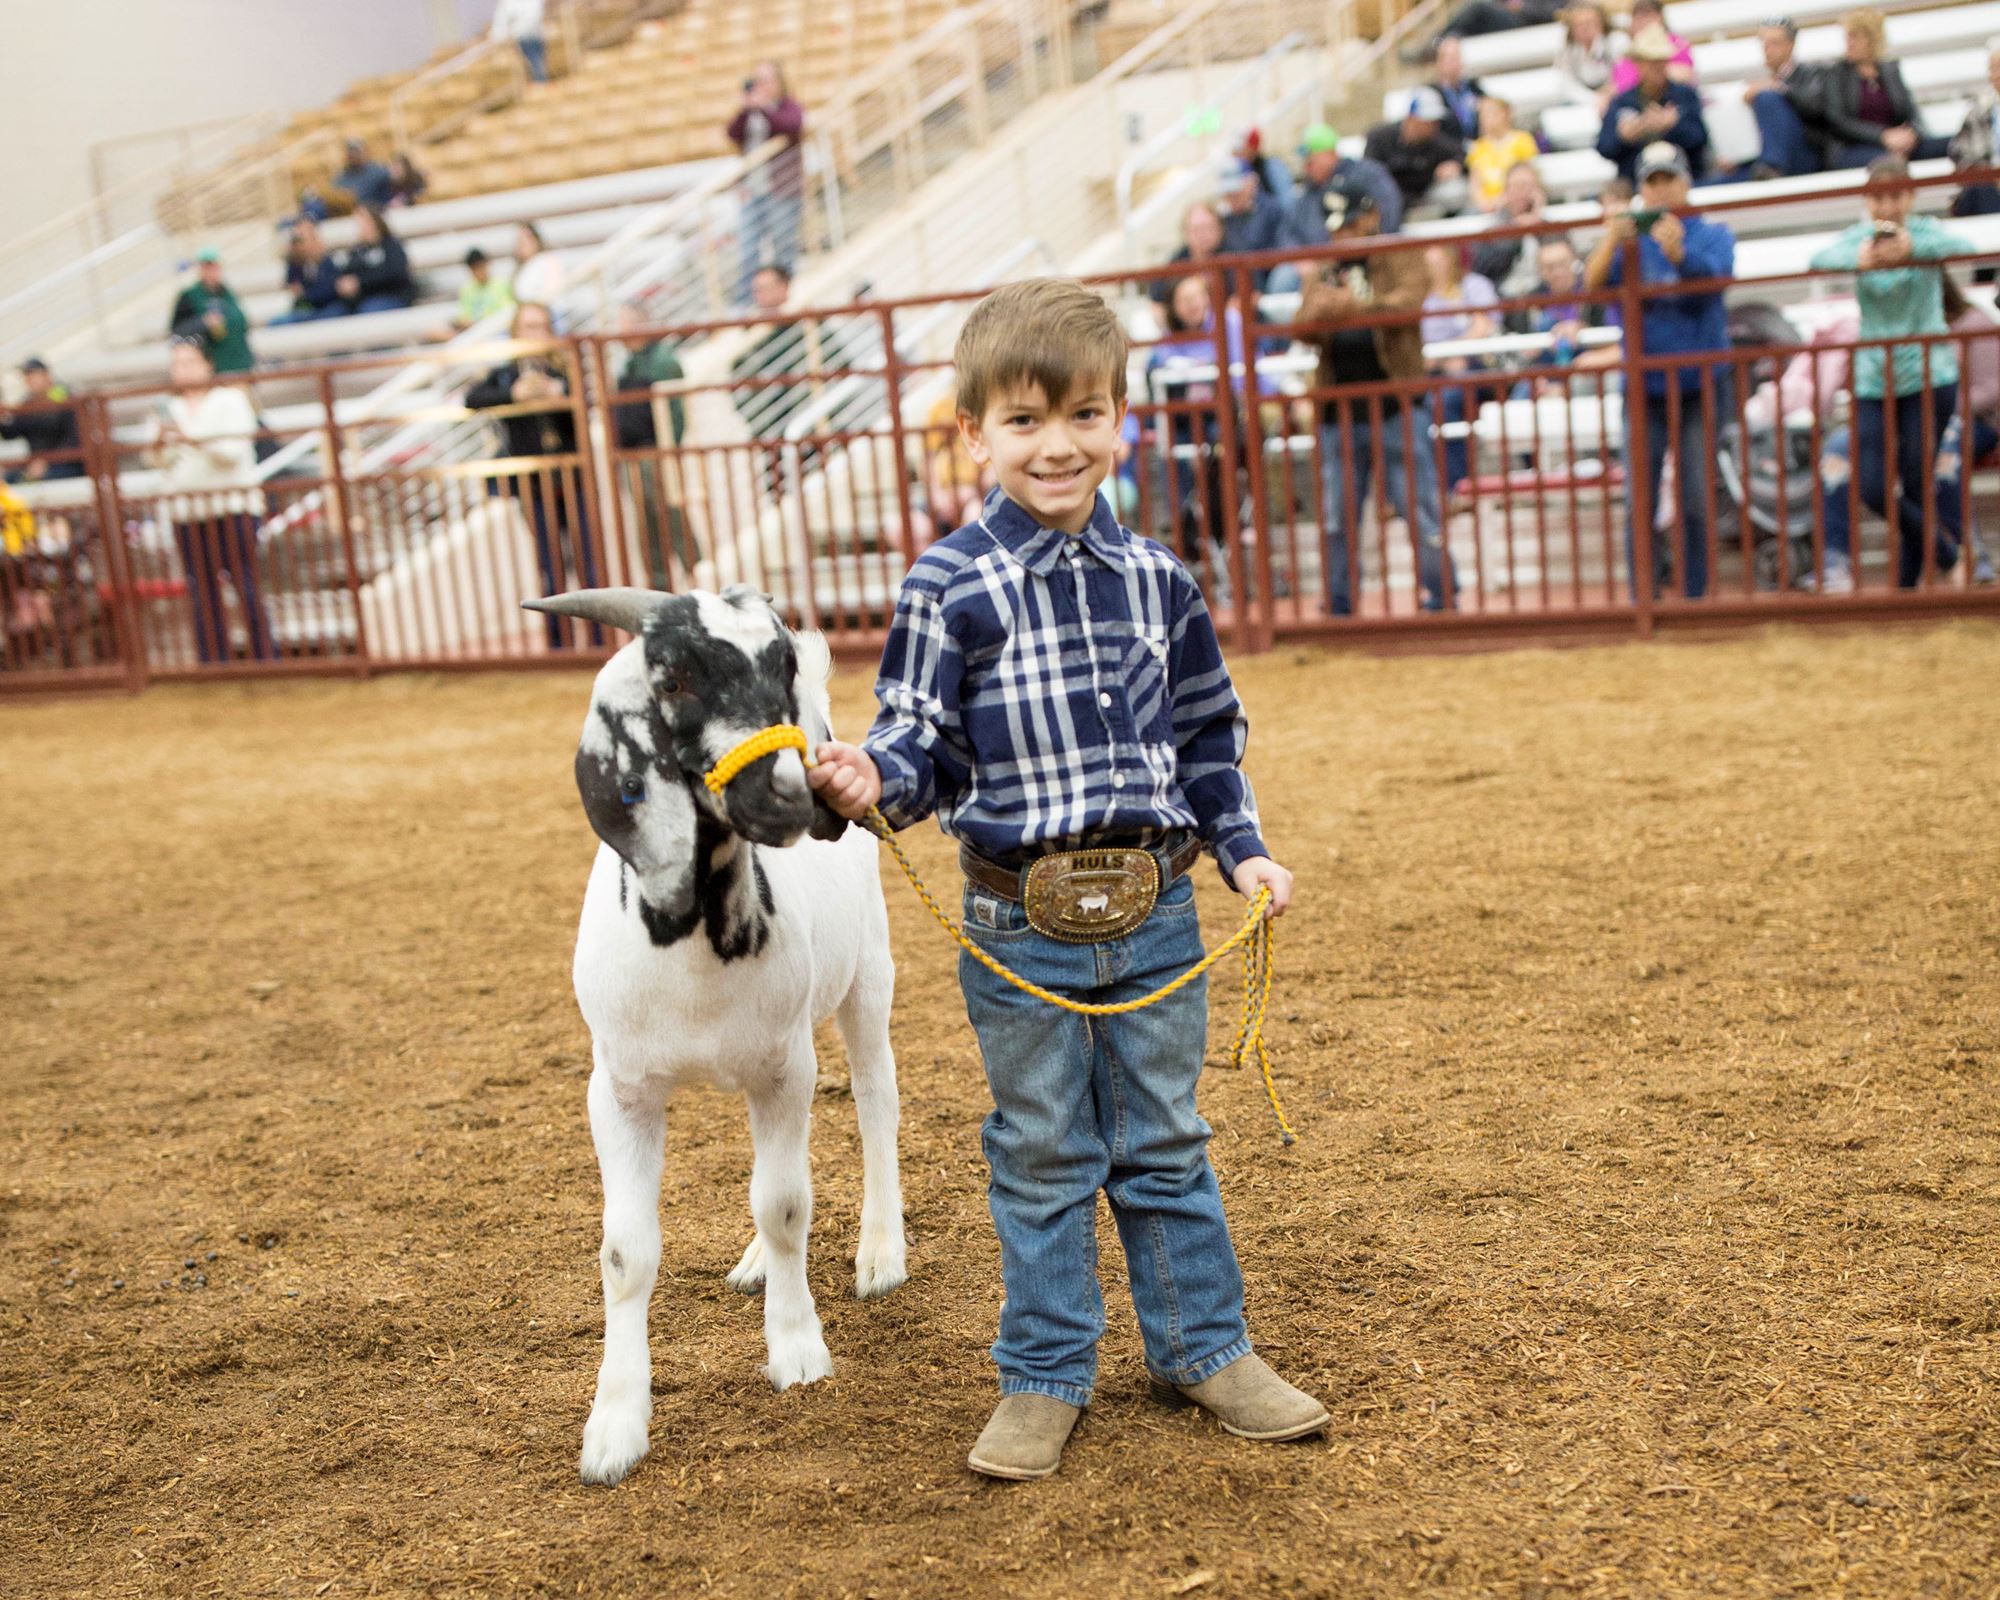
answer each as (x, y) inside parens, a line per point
(632, 788)
(669, 685)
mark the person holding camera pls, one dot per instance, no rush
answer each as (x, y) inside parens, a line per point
(1672, 246)
(1655, 108)
(773, 192)
(1901, 293)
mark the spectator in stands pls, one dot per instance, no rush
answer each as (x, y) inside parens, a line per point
(1320, 163)
(1858, 108)
(538, 273)
(649, 362)
(773, 193)
(552, 504)
(781, 349)
(1673, 248)
(1786, 150)
(1901, 293)
(310, 273)
(204, 441)
(1509, 264)
(1563, 320)
(1426, 162)
(1201, 243)
(365, 182)
(1486, 16)
(1272, 175)
(483, 294)
(1648, 15)
(1588, 57)
(523, 22)
(1499, 149)
(1977, 144)
(1460, 94)
(1356, 432)
(1654, 109)
(1253, 220)
(1193, 438)
(1459, 306)
(207, 310)
(53, 431)
(375, 273)
(406, 182)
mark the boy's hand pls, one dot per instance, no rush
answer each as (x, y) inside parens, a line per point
(846, 779)
(1261, 872)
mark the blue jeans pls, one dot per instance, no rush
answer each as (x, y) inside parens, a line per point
(1783, 135)
(1835, 468)
(535, 55)
(1692, 468)
(1426, 515)
(563, 552)
(1914, 450)
(1929, 148)
(210, 548)
(771, 225)
(1088, 1103)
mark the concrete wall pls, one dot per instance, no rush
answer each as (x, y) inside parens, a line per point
(84, 71)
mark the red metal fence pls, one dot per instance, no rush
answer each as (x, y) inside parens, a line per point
(1512, 487)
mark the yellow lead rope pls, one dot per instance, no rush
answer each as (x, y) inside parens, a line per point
(1254, 936)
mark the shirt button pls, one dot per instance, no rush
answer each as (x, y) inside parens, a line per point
(1117, 780)
(1104, 699)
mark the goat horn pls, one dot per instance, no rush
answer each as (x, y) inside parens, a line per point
(615, 608)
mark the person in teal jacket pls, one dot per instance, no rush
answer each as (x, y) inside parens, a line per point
(1901, 293)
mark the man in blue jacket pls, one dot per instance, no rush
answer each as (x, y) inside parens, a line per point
(1253, 220)
(1672, 247)
(1655, 109)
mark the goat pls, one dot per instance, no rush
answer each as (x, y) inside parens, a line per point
(713, 938)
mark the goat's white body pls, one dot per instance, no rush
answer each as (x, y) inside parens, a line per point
(665, 1016)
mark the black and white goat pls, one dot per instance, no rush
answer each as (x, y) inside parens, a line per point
(714, 936)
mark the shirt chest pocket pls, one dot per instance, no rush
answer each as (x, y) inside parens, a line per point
(1147, 689)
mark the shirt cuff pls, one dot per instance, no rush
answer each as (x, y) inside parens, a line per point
(1237, 848)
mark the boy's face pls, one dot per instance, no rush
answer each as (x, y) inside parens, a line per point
(1049, 459)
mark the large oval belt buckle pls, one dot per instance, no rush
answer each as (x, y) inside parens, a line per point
(1087, 896)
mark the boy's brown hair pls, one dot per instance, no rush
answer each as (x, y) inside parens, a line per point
(1050, 332)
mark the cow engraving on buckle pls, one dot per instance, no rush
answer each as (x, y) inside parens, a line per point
(1088, 896)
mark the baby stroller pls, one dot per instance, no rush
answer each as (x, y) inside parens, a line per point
(1767, 469)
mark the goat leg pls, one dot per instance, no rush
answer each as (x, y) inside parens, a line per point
(628, 1126)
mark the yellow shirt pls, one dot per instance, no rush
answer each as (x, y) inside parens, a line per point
(1490, 160)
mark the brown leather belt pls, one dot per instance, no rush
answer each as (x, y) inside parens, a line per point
(1006, 881)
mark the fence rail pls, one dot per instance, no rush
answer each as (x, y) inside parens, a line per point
(1561, 480)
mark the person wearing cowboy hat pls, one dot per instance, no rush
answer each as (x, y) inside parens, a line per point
(1654, 109)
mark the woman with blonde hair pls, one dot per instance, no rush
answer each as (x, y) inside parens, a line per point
(1589, 55)
(1858, 109)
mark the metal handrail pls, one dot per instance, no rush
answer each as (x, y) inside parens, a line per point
(474, 54)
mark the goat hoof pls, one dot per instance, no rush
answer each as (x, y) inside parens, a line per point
(879, 1270)
(802, 1361)
(747, 1277)
(612, 1446)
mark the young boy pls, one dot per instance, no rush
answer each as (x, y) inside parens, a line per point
(1052, 684)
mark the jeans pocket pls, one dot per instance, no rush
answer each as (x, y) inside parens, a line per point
(988, 919)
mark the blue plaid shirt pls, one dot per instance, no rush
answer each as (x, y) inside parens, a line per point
(1039, 690)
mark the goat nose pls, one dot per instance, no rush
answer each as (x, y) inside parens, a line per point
(788, 777)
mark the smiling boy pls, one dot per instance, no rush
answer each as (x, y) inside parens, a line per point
(1053, 691)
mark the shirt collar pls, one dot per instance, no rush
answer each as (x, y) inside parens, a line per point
(1038, 548)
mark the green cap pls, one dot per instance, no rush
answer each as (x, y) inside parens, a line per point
(207, 254)
(1318, 138)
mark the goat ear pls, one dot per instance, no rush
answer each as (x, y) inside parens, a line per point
(815, 666)
(636, 798)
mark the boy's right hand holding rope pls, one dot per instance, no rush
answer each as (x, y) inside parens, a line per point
(846, 778)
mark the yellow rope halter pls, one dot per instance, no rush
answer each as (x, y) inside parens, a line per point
(1254, 936)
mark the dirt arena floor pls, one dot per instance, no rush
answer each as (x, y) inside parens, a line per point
(1638, 1015)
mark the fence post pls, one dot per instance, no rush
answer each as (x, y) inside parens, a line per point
(1638, 481)
(892, 378)
(336, 489)
(1217, 278)
(586, 462)
(101, 462)
(1255, 464)
(600, 379)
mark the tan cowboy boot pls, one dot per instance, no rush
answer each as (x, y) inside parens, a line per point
(1025, 1437)
(1251, 1401)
